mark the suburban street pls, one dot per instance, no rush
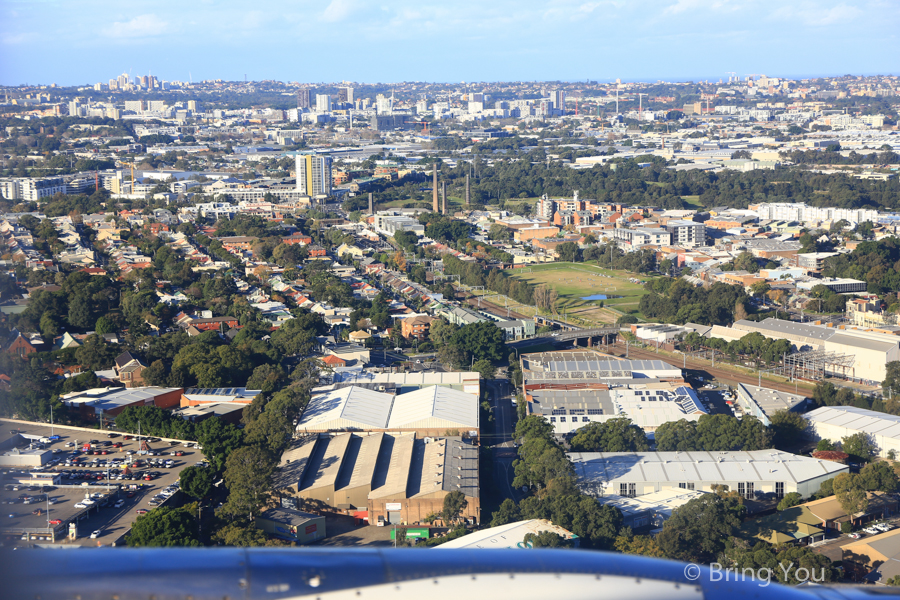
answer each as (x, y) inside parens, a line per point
(501, 443)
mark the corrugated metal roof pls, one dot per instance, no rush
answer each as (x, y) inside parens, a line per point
(761, 465)
(859, 419)
(457, 408)
(367, 408)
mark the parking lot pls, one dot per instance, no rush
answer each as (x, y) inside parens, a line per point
(85, 475)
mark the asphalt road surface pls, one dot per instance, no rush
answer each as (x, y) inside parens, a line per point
(501, 443)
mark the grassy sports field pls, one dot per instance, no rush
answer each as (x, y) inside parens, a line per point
(573, 281)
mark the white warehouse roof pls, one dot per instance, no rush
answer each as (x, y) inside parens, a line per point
(758, 465)
(857, 419)
(444, 404)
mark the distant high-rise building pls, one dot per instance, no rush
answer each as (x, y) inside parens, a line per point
(323, 103)
(192, 105)
(422, 107)
(122, 80)
(345, 95)
(559, 99)
(476, 98)
(303, 99)
(135, 105)
(314, 175)
(383, 105)
(98, 87)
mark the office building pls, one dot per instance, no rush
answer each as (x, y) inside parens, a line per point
(314, 174)
(558, 97)
(323, 103)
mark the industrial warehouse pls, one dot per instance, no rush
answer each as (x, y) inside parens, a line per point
(427, 411)
(573, 389)
(837, 422)
(824, 350)
(382, 477)
(748, 473)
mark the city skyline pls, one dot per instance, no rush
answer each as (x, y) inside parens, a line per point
(58, 42)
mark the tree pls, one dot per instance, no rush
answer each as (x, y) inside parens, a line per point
(615, 435)
(568, 252)
(483, 340)
(791, 499)
(850, 493)
(825, 445)
(485, 368)
(788, 427)
(454, 503)
(644, 545)
(891, 381)
(879, 477)
(197, 481)
(859, 446)
(546, 539)
(266, 378)
(166, 527)
(507, 512)
(248, 476)
(626, 320)
(697, 531)
(243, 535)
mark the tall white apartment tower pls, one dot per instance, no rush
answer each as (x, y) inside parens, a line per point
(314, 175)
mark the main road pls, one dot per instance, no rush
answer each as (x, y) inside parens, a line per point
(503, 447)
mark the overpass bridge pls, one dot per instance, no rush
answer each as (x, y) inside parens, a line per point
(579, 334)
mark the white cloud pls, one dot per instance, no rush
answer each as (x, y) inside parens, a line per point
(139, 27)
(817, 16)
(338, 10)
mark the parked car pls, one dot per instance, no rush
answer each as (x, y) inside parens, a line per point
(142, 511)
(95, 534)
(56, 521)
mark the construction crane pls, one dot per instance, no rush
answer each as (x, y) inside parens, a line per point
(424, 125)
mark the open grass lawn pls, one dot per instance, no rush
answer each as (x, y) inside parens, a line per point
(574, 281)
(692, 201)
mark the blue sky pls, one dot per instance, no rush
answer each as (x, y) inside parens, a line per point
(73, 42)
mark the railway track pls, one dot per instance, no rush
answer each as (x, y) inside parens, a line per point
(720, 374)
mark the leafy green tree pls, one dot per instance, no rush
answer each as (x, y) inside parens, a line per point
(787, 427)
(166, 527)
(676, 436)
(697, 531)
(219, 439)
(266, 378)
(569, 252)
(615, 435)
(879, 476)
(789, 500)
(849, 490)
(454, 503)
(859, 446)
(483, 340)
(243, 535)
(643, 545)
(891, 383)
(507, 512)
(104, 325)
(248, 476)
(80, 316)
(547, 539)
(485, 368)
(197, 481)
(825, 445)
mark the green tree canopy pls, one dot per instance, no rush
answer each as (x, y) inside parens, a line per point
(166, 526)
(615, 435)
